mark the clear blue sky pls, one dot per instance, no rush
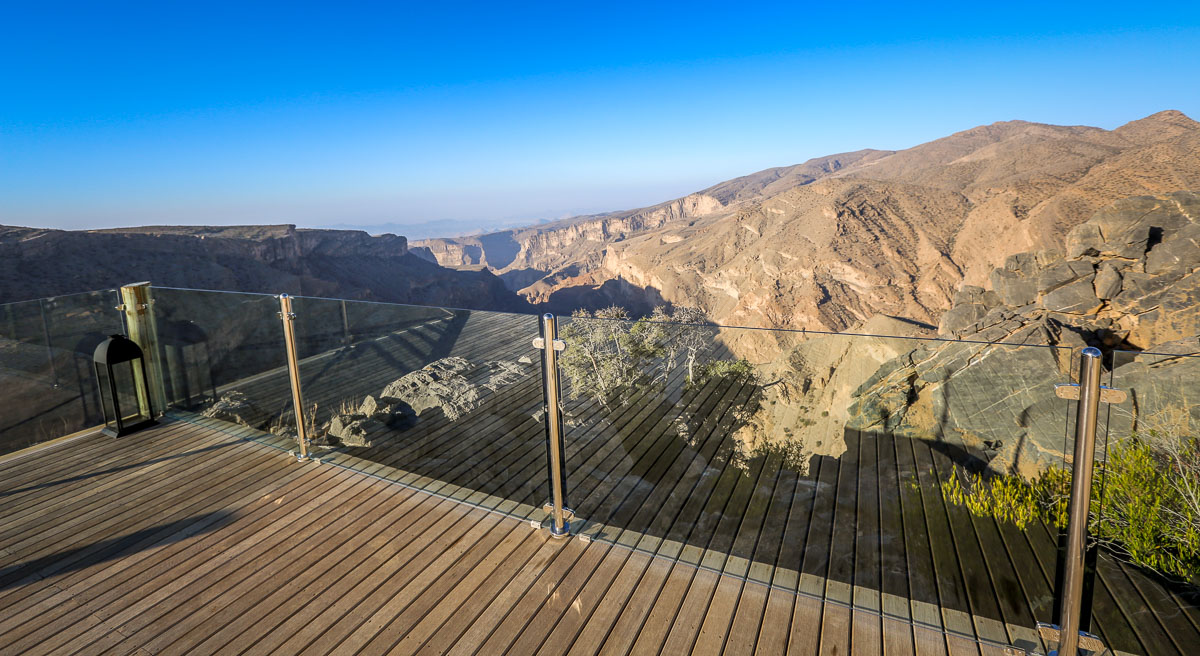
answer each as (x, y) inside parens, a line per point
(115, 113)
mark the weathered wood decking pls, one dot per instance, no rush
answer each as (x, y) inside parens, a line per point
(696, 547)
(868, 529)
(184, 539)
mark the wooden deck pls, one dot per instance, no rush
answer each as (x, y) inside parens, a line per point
(868, 530)
(185, 539)
(690, 544)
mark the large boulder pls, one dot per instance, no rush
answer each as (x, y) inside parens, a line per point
(1078, 297)
(236, 407)
(440, 384)
(1062, 273)
(1014, 288)
(975, 294)
(1119, 230)
(961, 317)
(1107, 283)
(1177, 255)
(354, 430)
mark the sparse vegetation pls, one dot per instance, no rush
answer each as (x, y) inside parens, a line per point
(1145, 500)
(680, 334)
(738, 370)
(604, 355)
(608, 355)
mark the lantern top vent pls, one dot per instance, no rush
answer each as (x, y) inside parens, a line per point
(116, 349)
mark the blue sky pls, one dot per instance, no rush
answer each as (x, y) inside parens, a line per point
(119, 113)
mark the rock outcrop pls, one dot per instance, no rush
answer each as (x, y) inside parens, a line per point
(1130, 279)
(235, 407)
(1130, 276)
(439, 384)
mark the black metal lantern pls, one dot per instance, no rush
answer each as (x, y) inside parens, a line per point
(121, 375)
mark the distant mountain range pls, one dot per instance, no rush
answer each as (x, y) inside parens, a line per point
(440, 228)
(829, 243)
(36, 263)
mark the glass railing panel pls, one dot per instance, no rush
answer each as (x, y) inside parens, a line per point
(826, 464)
(1145, 512)
(332, 323)
(223, 357)
(446, 400)
(46, 372)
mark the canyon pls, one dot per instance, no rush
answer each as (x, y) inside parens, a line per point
(832, 242)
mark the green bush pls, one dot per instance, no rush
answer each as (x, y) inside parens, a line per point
(605, 357)
(1145, 500)
(734, 370)
(609, 358)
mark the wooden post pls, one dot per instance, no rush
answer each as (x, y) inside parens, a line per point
(138, 305)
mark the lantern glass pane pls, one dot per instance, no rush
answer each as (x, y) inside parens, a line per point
(106, 383)
(127, 396)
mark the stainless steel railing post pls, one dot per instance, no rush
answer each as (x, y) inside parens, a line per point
(289, 341)
(560, 526)
(1069, 620)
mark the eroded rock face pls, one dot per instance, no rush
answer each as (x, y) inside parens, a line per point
(805, 390)
(1164, 389)
(1130, 270)
(993, 399)
(1130, 279)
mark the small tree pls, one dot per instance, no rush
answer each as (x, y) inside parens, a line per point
(683, 334)
(601, 356)
(608, 354)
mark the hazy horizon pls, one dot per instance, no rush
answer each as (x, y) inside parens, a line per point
(499, 116)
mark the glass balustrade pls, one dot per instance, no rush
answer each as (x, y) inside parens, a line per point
(46, 372)
(1145, 511)
(845, 467)
(223, 358)
(898, 480)
(445, 400)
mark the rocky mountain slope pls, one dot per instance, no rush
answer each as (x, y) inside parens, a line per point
(37, 263)
(831, 242)
(1128, 281)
